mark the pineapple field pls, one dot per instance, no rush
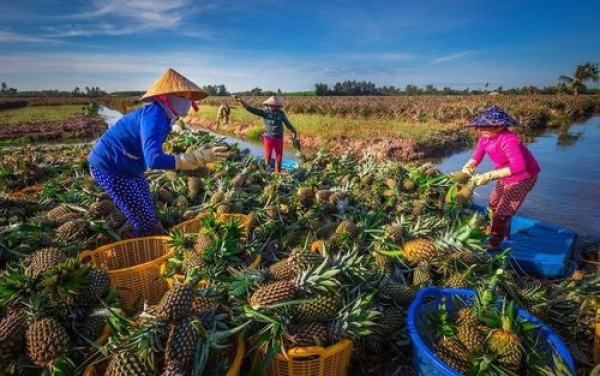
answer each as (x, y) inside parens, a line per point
(334, 252)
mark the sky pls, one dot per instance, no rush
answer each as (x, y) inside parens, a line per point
(291, 45)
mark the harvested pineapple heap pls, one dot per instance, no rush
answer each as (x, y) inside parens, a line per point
(189, 330)
(53, 309)
(345, 245)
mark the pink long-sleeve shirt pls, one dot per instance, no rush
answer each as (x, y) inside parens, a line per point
(507, 150)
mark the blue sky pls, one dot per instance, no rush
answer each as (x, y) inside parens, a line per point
(126, 45)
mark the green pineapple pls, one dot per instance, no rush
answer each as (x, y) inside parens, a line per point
(460, 280)
(98, 283)
(193, 188)
(308, 281)
(102, 208)
(176, 304)
(45, 337)
(320, 307)
(398, 292)
(422, 275)
(307, 335)
(392, 319)
(302, 259)
(181, 345)
(326, 230)
(503, 341)
(93, 326)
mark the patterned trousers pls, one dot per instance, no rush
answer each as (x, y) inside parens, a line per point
(506, 199)
(133, 197)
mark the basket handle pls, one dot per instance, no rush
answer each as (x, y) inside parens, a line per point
(83, 255)
(305, 352)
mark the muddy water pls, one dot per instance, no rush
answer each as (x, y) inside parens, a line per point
(568, 189)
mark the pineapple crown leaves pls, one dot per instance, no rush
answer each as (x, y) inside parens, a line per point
(145, 341)
(351, 265)
(65, 279)
(15, 284)
(560, 368)
(356, 320)
(323, 278)
(243, 283)
(181, 240)
(440, 321)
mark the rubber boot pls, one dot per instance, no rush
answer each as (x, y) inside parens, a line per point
(500, 226)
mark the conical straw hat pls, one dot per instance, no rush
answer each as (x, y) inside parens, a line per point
(172, 82)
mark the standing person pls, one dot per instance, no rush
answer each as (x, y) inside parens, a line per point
(515, 168)
(274, 119)
(223, 115)
(135, 143)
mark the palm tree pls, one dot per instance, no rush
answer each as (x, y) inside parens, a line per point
(583, 73)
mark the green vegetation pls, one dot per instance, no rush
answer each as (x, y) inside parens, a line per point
(39, 114)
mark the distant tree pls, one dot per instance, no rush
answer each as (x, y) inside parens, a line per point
(256, 91)
(279, 92)
(3, 87)
(76, 91)
(583, 73)
(412, 89)
(321, 89)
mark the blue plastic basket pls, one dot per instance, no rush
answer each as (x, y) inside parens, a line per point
(426, 363)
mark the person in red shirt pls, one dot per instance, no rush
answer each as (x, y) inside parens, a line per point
(515, 168)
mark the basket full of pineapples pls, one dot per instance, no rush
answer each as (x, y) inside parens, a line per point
(460, 332)
(52, 313)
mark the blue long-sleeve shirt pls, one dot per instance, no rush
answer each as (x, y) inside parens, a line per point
(134, 143)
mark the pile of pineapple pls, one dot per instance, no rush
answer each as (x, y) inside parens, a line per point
(189, 330)
(345, 246)
(53, 308)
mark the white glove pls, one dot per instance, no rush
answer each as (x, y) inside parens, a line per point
(486, 177)
(186, 162)
(470, 167)
(209, 153)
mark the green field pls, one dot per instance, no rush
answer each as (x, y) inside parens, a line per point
(39, 114)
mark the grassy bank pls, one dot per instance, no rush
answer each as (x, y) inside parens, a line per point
(331, 127)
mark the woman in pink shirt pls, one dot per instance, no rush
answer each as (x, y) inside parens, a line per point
(515, 168)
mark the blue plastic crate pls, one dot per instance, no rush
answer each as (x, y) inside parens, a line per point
(286, 164)
(426, 363)
(540, 248)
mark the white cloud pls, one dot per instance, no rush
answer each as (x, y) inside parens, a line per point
(8, 36)
(453, 56)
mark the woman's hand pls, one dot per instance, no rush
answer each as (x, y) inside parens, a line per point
(186, 162)
(239, 100)
(209, 153)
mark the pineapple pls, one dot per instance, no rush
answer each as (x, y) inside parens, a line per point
(505, 344)
(192, 260)
(182, 202)
(409, 185)
(217, 198)
(460, 177)
(453, 354)
(391, 183)
(463, 196)
(127, 364)
(323, 195)
(43, 260)
(193, 187)
(115, 219)
(396, 291)
(61, 214)
(164, 196)
(282, 270)
(337, 197)
(239, 180)
(46, 340)
(422, 275)
(96, 287)
(181, 345)
(394, 232)
(466, 257)
(470, 336)
(308, 281)
(382, 262)
(347, 228)
(72, 230)
(320, 307)
(12, 336)
(176, 303)
(391, 320)
(202, 242)
(327, 230)
(460, 280)
(307, 335)
(302, 259)
(102, 208)
(93, 326)
(202, 305)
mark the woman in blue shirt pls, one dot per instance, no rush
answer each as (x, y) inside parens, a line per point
(124, 152)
